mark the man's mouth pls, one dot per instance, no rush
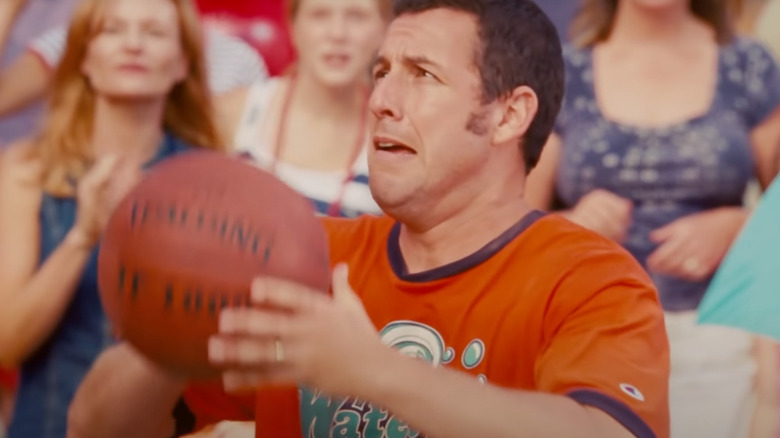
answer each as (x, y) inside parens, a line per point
(392, 146)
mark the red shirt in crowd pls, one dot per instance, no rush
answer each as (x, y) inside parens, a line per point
(261, 23)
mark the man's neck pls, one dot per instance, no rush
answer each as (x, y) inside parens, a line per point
(484, 219)
(132, 131)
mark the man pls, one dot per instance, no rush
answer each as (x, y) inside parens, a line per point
(535, 326)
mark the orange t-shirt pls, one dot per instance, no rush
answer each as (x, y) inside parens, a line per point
(547, 306)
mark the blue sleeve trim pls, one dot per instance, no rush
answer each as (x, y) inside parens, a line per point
(616, 409)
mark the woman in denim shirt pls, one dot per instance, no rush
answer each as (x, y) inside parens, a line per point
(130, 91)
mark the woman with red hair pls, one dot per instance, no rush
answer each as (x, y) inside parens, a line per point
(129, 92)
(230, 61)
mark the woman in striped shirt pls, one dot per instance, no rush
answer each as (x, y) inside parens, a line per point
(310, 126)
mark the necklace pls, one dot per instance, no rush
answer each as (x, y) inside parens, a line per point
(335, 207)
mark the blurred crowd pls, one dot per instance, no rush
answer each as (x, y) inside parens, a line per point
(668, 134)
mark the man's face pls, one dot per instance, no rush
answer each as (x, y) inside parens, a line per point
(431, 130)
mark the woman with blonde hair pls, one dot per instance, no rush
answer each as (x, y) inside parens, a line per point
(667, 117)
(310, 125)
(26, 78)
(130, 91)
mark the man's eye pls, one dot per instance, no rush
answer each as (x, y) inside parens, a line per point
(425, 73)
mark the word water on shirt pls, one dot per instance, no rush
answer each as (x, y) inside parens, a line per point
(323, 416)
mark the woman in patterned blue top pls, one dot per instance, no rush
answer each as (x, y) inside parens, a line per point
(129, 92)
(667, 117)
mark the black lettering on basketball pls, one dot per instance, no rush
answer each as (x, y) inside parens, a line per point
(121, 279)
(145, 213)
(224, 301)
(168, 297)
(212, 305)
(201, 217)
(172, 214)
(256, 245)
(133, 214)
(268, 247)
(223, 229)
(135, 286)
(198, 300)
(239, 235)
(214, 224)
(187, 300)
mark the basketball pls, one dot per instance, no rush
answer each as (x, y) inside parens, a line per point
(188, 240)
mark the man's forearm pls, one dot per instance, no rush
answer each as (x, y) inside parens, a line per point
(445, 403)
(124, 396)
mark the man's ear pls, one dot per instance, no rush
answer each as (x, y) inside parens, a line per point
(519, 110)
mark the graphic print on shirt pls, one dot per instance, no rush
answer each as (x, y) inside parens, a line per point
(325, 417)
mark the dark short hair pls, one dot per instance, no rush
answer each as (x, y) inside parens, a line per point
(518, 46)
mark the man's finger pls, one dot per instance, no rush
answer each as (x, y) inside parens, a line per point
(256, 322)
(342, 291)
(284, 295)
(246, 352)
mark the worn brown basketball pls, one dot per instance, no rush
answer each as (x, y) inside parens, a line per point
(188, 241)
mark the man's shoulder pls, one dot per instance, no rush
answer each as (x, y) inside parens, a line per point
(348, 236)
(562, 249)
(563, 238)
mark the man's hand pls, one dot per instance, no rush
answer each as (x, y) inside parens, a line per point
(295, 335)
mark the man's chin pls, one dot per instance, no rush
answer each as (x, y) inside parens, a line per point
(391, 205)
